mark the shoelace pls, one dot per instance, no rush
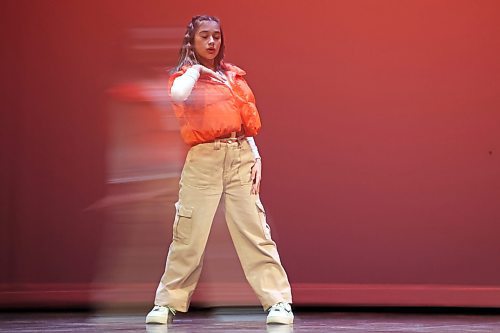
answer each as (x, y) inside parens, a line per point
(158, 307)
(280, 307)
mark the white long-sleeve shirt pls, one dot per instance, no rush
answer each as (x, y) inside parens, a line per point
(182, 88)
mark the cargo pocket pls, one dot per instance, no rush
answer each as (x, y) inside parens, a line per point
(182, 223)
(262, 217)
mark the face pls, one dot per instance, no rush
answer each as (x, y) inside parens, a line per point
(207, 41)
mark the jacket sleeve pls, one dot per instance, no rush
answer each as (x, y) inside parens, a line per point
(248, 110)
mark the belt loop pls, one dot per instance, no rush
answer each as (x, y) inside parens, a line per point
(217, 144)
(233, 135)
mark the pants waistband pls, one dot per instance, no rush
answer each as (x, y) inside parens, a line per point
(231, 138)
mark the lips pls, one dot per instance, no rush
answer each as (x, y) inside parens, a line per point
(211, 50)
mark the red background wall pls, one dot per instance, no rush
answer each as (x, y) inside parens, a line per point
(380, 142)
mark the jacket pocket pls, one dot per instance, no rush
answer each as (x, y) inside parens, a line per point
(182, 223)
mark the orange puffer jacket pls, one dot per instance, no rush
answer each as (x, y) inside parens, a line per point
(214, 110)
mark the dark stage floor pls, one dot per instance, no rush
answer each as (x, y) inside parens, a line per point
(251, 320)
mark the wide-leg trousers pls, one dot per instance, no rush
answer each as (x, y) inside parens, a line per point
(213, 171)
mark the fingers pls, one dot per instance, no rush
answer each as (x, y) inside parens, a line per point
(255, 182)
(256, 176)
(211, 73)
(254, 173)
(255, 188)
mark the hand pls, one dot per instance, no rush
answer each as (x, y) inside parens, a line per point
(205, 70)
(256, 176)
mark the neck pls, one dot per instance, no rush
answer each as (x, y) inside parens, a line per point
(208, 63)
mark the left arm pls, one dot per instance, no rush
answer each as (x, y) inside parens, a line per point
(257, 167)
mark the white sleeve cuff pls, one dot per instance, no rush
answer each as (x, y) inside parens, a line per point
(253, 146)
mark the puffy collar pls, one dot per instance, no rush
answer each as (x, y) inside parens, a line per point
(232, 68)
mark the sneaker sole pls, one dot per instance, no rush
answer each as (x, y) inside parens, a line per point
(156, 320)
(279, 320)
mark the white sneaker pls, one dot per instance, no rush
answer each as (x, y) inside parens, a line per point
(160, 315)
(280, 313)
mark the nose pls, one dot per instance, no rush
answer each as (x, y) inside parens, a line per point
(211, 40)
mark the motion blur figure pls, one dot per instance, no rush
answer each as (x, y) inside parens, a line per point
(218, 119)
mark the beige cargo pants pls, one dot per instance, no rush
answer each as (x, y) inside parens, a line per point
(211, 171)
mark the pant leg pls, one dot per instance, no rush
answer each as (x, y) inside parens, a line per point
(251, 234)
(199, 196)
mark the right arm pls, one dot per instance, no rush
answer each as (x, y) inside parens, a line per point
(184, 84)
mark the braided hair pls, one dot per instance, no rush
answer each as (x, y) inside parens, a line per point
(187, 56)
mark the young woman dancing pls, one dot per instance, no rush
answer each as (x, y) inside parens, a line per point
(218, 119)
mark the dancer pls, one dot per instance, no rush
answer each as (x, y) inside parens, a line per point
(218, 119)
